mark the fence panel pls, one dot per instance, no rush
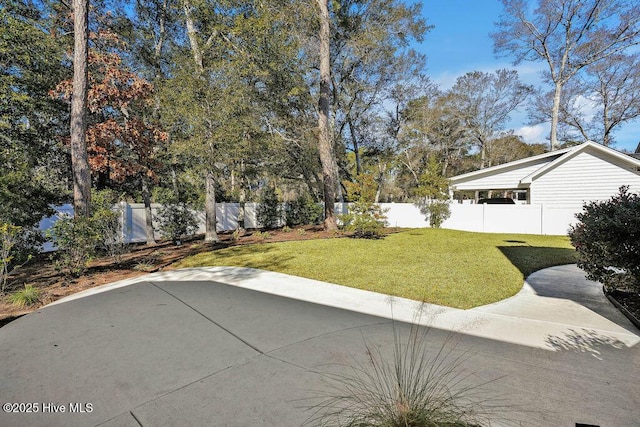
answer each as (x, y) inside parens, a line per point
(557, 220)
(404, 215)
(465, 217)
(135, 222)
(523, 219)
(251, 215)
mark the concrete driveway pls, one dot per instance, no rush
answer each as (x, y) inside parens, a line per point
(242, 347)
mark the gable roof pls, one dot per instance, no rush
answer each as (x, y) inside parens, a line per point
(574, 152)
(521, 163)
(535, 166)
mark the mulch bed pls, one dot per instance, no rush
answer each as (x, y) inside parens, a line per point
(628, 303)
(142, 259)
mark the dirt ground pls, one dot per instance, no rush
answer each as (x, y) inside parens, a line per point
(141, 259)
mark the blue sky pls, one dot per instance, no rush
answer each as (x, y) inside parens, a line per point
(460, 43)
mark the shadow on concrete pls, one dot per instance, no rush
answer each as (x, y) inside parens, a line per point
(584, 341)
(528, 259)
(564, 281)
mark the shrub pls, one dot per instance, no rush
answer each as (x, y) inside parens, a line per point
(77, 240)
(303, 211)
(80, 239)
(365, 218)
(607, 240)
(26, 297)
(176, 221)
(434, 192)
(436, 212)
(269, 212)
(9, 236)
(175, 218)
(264, 235)
(17, 246)
(106, 216)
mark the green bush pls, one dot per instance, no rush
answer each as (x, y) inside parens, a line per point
(607, 240)
(106, 215)
(436, 212)
(18, 244)
(9, 237)
(365, 218)
(26, 297)
(176, 221)
(176, 217)
(77, 241)
(433, 190)
(269, 212)
(303, 211)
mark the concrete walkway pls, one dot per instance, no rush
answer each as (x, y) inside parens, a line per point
(239, 347)
(553, 304)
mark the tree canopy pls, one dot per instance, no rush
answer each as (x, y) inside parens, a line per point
(200, 101)
(568, 36)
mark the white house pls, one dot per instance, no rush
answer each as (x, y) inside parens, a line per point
(553, 187)
(564, 178)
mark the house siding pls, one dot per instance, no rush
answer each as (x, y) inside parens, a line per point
(506, 180)
(583, 178)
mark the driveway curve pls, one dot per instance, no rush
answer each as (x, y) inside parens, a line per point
(230, 346)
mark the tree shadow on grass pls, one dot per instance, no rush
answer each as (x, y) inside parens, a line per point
(529, 259)
(245, 256)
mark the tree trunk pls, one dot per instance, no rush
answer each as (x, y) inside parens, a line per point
(193, 40)
(174, 182)
(148, 216)
(356, 149)
(555, 111)
(210, 234)
(606, 137)
(379, 181)
(325, 144)
(79, 156)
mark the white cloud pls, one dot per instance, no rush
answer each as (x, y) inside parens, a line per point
(588, 107)
(529, 73)
(446, 80)
(536, 134)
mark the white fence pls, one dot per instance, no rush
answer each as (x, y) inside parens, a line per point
(521, 219)
(228, 217)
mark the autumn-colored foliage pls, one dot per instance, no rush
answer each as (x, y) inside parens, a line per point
(120, 141)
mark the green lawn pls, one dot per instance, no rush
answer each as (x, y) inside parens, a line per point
(446, 267)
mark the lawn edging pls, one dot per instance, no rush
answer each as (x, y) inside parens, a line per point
(622, 308)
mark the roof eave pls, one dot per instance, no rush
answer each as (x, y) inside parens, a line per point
(508, 165)
(574, 152)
